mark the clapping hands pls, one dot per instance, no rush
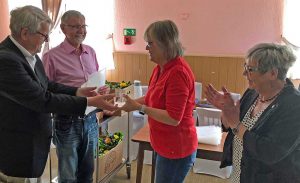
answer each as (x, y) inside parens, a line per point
(224, 101)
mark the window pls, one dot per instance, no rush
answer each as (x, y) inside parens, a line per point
(291, 33)
(100, 21)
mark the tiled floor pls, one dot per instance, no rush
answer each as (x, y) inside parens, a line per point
(121, 176)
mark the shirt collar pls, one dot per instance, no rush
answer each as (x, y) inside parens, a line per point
(171, 63)
(70, 49)
(30, 58)
(22, 49)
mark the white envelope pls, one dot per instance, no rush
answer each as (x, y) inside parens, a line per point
(96, 79)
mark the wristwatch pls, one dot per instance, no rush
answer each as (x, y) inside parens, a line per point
(142, 109)
(235, 130)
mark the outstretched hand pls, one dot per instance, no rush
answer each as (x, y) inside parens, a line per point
(130, 105)
(102, 102)
(103, 90)
(86, 92)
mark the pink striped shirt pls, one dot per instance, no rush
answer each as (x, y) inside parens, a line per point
(62, 65)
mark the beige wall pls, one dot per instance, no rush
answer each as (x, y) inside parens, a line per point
(4, 23)
(218, 70)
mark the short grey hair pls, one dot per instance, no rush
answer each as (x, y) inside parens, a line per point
(271, 55)
(29, 17)
(70, 13)
(167, 36)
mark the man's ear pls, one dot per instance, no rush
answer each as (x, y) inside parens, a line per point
(24, 33)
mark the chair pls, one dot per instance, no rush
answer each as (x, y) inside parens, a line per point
(198, 91)
(208, 116)
(209, 125)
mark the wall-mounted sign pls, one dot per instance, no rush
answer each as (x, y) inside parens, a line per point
(127, 40)
(129, 32)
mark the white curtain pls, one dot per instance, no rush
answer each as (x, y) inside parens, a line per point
(52, 8)
(291, 32)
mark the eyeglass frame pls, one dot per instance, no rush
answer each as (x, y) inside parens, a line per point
(77, 26)
(250, 69)
(46, 36)
(149, 43)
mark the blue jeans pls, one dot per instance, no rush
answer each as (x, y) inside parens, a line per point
(76, 142)
(173, 170)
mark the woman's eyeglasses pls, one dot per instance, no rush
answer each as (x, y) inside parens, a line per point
(250, 69)
(149, 44)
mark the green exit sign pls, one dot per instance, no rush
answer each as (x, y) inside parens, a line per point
(129, 32)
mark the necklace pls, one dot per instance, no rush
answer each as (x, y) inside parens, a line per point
(269, 99)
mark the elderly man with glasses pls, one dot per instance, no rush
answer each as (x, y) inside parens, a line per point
(70, 63)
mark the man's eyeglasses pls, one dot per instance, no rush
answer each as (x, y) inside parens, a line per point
(250, 69)
(77, 26)
(46, 36)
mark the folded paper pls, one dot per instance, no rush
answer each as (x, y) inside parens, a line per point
(96, 79)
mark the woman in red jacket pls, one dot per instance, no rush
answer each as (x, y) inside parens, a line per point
(169, 104)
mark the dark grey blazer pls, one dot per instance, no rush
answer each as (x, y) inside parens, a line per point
(26, 99)
(271, 149)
